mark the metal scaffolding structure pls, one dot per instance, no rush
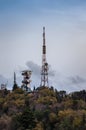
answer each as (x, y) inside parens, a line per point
(26, 80)
(44, 69)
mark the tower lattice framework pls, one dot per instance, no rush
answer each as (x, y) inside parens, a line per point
(44, 69)
(26, 80)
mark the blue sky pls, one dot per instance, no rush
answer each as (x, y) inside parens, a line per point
(21, 23)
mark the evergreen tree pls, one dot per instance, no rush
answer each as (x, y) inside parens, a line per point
(25, 121)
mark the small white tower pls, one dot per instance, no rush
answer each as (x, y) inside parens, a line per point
(26, 80)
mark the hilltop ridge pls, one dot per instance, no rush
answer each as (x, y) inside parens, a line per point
(31, 111)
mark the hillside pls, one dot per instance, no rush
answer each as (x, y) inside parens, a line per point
(42, 109)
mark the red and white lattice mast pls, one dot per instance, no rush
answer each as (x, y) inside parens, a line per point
(44, 69)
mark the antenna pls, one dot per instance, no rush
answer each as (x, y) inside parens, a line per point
(14, 78)
(44, 69)
(26, 80)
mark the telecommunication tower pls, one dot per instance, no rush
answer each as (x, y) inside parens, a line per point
(15, 86)
(14, 78)
(3, 86)
(26, 80)
(44, 69)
